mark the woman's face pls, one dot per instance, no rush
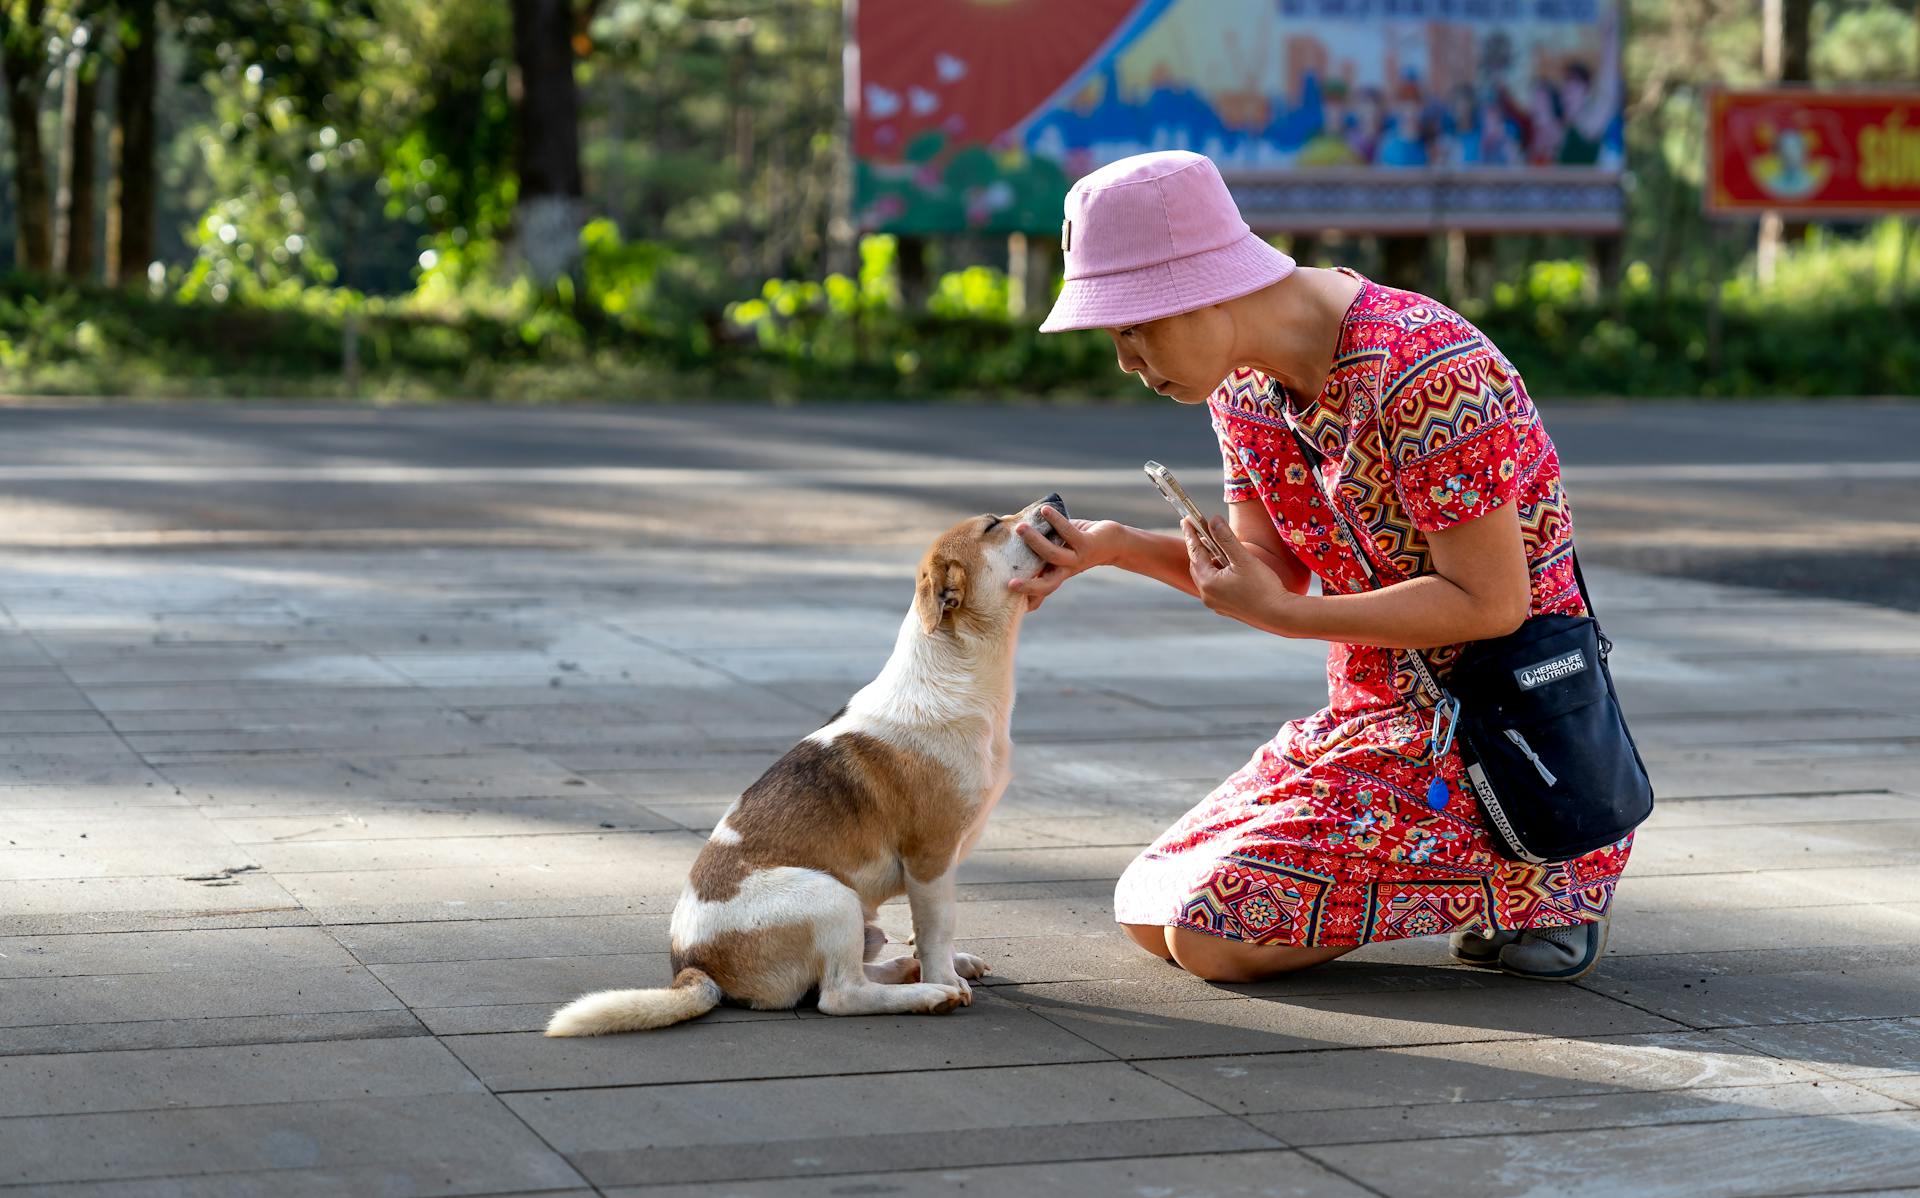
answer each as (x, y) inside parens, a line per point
(1182, 357)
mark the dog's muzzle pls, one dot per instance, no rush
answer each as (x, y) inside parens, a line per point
(1047, 530)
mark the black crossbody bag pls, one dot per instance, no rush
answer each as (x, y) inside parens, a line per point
(1546, 748)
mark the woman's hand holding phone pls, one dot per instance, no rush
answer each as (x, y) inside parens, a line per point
(1244, 588)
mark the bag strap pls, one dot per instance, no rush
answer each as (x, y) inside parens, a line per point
(1314, 459)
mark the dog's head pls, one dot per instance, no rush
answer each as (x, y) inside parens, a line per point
(963, 579)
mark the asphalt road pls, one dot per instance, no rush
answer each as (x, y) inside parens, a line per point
(1810, 498)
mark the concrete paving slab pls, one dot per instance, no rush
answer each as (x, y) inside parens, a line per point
(1854, 1049)
(987, 1034)
(1777, 810)
(461, 910)
(1535, 1116)
(1795, 846)
(180, 950)
(172, 704)
(39, 800)
(189, 994)
(1817, 1154)
(1854, 924)
(1712, 893)
(418, 1145)
(1478, 1072)
(172, 664)
(539, 847)
(385, 896)
(138, 842)
(1307, 1022)
(246, 1075)
(1063, 863)
(617, 1137)
(522, 979)
(1903, 1089)
(1268, 1173)
(496, 773)
(337, 821)
(504, 939)
(209, 1031)
(117, 904)
(1739, 1000)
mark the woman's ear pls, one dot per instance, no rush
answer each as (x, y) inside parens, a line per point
(942, 588)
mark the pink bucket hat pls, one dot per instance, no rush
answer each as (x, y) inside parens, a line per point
(1156, 235)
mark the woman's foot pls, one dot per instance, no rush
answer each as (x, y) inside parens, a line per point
(1549, 955)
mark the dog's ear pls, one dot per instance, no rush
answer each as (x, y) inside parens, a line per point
(941, 589)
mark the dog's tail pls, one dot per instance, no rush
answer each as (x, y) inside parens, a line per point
(691, 995)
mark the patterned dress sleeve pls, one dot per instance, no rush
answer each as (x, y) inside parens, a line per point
(1446, 421)
(1238, 486)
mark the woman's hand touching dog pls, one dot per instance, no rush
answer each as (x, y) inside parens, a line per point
(1088, 543)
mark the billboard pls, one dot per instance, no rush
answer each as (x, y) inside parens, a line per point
(1809, 153)
(1359, 114)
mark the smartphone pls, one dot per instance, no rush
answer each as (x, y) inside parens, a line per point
(1175, 494)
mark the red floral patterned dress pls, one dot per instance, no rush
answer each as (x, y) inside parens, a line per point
(1325, 837)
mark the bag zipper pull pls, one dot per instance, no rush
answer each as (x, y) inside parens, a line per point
(1513, 734)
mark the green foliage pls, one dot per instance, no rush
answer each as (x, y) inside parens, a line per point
(350, 162)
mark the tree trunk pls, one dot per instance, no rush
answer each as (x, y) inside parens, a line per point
(841, 236)
(547, 154)
(1786, 56)
(74, 233)
(910, 261)
(1796, 41)
(23, 62)
(130, 146)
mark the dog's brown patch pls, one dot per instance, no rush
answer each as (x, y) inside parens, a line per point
(718, 871)
(839, 808)
(769, 967)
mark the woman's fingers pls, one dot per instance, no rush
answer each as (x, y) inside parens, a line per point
(1199, 557)
(1045, 550)
(1069, 531)
(1230, 544)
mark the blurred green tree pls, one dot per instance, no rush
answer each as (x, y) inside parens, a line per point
(26, 38)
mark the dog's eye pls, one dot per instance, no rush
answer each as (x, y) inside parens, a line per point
(993, 522)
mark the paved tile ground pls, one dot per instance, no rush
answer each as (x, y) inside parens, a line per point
(301, 846)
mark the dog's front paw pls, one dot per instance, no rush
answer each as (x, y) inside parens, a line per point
(951, 981)
(969, 966)
(961, 997)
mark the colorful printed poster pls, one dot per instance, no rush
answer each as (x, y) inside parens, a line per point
(1814, 153)
(977, 114)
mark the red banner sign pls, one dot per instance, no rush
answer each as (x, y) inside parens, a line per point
(1813, 153)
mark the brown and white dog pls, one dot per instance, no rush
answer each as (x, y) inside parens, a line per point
(887, 798)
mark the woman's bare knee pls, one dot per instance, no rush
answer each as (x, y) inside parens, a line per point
(1215, 960)
(1150, 936)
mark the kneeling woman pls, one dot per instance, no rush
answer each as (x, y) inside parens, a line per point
(1333, 835)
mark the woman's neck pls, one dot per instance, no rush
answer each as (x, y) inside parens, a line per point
(1291, 330)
